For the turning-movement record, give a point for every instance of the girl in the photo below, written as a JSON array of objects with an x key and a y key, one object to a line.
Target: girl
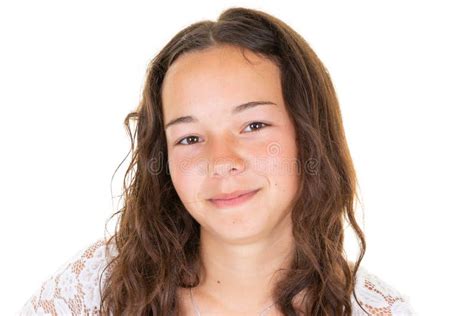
[{"x": 242, "y": 181}]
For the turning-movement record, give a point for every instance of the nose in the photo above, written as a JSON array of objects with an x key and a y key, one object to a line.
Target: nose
[{"x": 224, "y": 159}]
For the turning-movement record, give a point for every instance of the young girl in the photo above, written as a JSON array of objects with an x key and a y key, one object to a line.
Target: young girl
[{"x": 242, "y": 181}]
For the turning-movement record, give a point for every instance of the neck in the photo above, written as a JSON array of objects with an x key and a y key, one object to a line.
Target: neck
[{"x": 239, "y": 278}]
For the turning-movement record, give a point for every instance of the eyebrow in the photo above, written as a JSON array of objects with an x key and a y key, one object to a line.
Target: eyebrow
[{"x": 235, "y": 110}]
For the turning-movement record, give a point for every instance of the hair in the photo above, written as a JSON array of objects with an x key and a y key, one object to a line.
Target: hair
[{"x": 157, "y": 240}]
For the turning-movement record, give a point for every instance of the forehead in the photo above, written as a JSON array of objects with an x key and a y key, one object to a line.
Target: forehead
[{"x": 219, "y": 76}]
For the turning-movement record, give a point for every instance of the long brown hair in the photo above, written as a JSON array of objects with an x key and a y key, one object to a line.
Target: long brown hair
[{"x": 157, "y": 240}]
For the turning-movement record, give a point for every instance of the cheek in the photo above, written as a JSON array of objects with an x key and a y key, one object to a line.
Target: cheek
[
  {"x": 185, "y": 176},
  {"x": 282, "y": 168},
  {"x": 277, "y": 157}
]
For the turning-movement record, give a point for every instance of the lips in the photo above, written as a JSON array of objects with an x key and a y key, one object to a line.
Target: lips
[
  {"x": 234, "y": 199},
  {"x": 229, "y": 196}
]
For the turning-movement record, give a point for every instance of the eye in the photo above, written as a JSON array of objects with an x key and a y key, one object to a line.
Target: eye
[
  {"x": 258, "y": 124},
  {"x": 187, "y": 138},
  {"x": 194, "y": 138}
]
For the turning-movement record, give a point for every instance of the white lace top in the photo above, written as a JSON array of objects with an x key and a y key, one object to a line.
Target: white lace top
[{"x": 74, "y": 289}]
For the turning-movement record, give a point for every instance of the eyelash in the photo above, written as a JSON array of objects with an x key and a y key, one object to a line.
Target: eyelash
[{"x": 255, "y": 130}]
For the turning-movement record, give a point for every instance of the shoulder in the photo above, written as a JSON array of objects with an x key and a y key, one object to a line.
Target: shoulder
[
  {"x": 74, "y": 287},
  {"x": 378, "y": 297}
]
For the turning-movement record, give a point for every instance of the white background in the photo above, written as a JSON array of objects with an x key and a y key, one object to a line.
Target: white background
[{"x": 71, "y": 71}]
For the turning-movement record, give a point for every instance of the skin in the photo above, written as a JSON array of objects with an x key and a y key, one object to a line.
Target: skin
[{"x": 241, "y": 247}]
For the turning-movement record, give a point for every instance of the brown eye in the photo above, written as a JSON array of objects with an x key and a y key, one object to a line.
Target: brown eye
[
  {"x": 256, "y": 126},
  {"x": 192, "y": 138}
]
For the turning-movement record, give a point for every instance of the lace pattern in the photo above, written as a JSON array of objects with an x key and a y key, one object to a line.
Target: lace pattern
[
  {"x": 378, "y": 297},
  {"x": 74, "y": 289}
]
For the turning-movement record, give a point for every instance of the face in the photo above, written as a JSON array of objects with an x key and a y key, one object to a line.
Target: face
[{"x": 221, "y": 148}]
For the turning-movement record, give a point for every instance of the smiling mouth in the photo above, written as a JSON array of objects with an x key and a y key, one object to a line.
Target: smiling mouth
[{"x": 232, "y": 202}]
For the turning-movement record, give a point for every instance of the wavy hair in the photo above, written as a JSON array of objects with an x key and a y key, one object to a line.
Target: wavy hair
[{"x": 157, "y": 240}]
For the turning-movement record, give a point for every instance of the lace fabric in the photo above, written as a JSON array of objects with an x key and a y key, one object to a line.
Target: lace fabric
[
  {"x": 74, "y": 289},
  {"x": 378, "y": 297}
]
